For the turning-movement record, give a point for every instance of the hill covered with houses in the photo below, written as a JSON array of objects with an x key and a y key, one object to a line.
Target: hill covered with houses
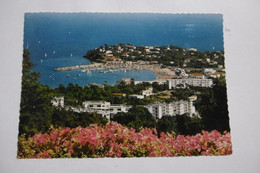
[{"x": 166, "y": 55}]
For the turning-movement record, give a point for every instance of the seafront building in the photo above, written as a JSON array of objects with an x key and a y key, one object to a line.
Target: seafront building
[
  {"x": 158, "y": 110},
  {"x": 182, "y": 83},
  {"x": 127, "y": 81}
]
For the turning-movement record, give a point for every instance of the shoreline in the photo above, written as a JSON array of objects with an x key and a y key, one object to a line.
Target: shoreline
[{"x": 114, "y": 66}]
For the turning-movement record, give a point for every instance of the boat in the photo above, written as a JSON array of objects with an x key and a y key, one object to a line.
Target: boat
[
  {"x": 68, "y": 75},
  {"x": 71, "y": 54},
  {"x": 45, "y": 55}
]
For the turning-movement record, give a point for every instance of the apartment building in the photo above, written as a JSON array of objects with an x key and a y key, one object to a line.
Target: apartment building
[
  {"x": 158, "y": 110},
  {"x": 104, "y": 108},
  {"x": 182, "y": 83}
]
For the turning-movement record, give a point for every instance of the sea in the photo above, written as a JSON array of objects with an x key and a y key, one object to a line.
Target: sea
[{"x": 61, "y": 39}]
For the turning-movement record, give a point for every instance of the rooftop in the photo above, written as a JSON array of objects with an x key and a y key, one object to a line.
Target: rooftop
[{"x": 197, "y": 74}]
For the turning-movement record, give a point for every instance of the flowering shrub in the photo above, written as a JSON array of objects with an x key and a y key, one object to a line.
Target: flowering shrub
[{"x": 115, "y": 140}]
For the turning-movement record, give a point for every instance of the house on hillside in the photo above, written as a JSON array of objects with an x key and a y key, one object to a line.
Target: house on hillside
[
  {"x": 148, "y": 91},
  {"x": 125, "y": 80},
  {"x": 197, "y": 76}
]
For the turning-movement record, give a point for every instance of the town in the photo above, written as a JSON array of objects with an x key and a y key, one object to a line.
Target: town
[{"x": 175, "y": 67}]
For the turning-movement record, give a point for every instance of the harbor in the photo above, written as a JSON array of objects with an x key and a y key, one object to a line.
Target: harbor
[{"x": 120, "y": 66}]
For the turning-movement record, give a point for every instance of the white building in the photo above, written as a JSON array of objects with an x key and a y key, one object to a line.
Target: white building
[
  {"x": 215, "y": 75},
  {"x": 127, "y": 81},
  {"x": 159, "y": 81},
  {"x": 182, "y": 83},
  {"x": 104, "y": 108},
  {"x": 158, "y": 110},
  {"x": 136, "y": 96},
  {"x": 58, "y": 101},
  {"x": 209, "y": 70},
  {"x": 192, "y": 49},
  {"x": 148, "y": 91}
]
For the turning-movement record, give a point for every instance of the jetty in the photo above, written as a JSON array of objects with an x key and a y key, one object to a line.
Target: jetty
[{"x": 83, "y": 67}]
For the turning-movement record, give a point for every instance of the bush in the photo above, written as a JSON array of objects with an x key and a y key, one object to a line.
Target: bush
[{"x": 115, "y": 140}]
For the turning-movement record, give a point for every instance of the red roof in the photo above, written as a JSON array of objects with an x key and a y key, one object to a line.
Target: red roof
[
  {"x": 119, "y": 94},
  {"x": 124, "y": 54},
  {"x": 113, "y": 58},
  {"x": 197, "y": 74}
]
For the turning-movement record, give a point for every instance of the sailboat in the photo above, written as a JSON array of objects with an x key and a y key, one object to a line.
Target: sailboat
[
  {"x": 45, "y": 54},
  {"x": 71, "y": 54},
  {"x": 89, "y": 71}
]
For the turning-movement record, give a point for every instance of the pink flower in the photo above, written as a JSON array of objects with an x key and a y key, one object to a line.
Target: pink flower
[
  {"x": 114, "y": 139},
  {"x": 82, "y": 140},
  {"x": 118, "y": 153}
]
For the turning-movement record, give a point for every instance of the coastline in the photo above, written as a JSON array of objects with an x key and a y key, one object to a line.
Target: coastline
[{"x": 161, "y": 73}]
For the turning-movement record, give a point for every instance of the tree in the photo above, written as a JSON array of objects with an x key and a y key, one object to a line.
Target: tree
[
  {"x": 167, "y": 124},
  {"x": 35, "y": 107},
  {"x": 213, "y": 107},
  {"x": 136, "y": 117}
]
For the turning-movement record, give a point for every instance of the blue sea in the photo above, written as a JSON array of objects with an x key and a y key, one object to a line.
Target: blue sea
[{"x": 61, "y": 39}]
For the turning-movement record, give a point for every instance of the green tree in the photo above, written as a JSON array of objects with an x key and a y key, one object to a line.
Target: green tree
[
  {"x": 35, "y": 108},
  {"x": 167, "y": 124},
  {"x": 136, "y": 117},
  {"x": 212, "y": 105}
]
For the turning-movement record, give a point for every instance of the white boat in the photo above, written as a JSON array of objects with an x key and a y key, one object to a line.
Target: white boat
[
  {"x": 71, "y": 54},
  {"x": 54, "y": 52},
  {"x": 45, "y": 54}
]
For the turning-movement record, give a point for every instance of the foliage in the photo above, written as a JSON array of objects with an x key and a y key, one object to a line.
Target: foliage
[
  {"x": 94, "y": 55},
  {"x": 37, "y": 114},
  {"x": 182, "y": 125},
  {"x": 212, "y": 105},
  {"x": 69, "y": 118},
  {"x": 136, "y": 117},
  {"x": 35, "y": 107},
  {"x": 115, "y": 140},
  {"x": 162, "y": 54}
]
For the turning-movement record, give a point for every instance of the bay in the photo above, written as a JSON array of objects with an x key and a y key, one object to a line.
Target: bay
[
  {"x": 61, "y": 39},
  {"x": 54, "y": 78}
]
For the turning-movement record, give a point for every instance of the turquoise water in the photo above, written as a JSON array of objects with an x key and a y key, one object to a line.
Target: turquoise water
[{"x": 59, "y": 35}]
